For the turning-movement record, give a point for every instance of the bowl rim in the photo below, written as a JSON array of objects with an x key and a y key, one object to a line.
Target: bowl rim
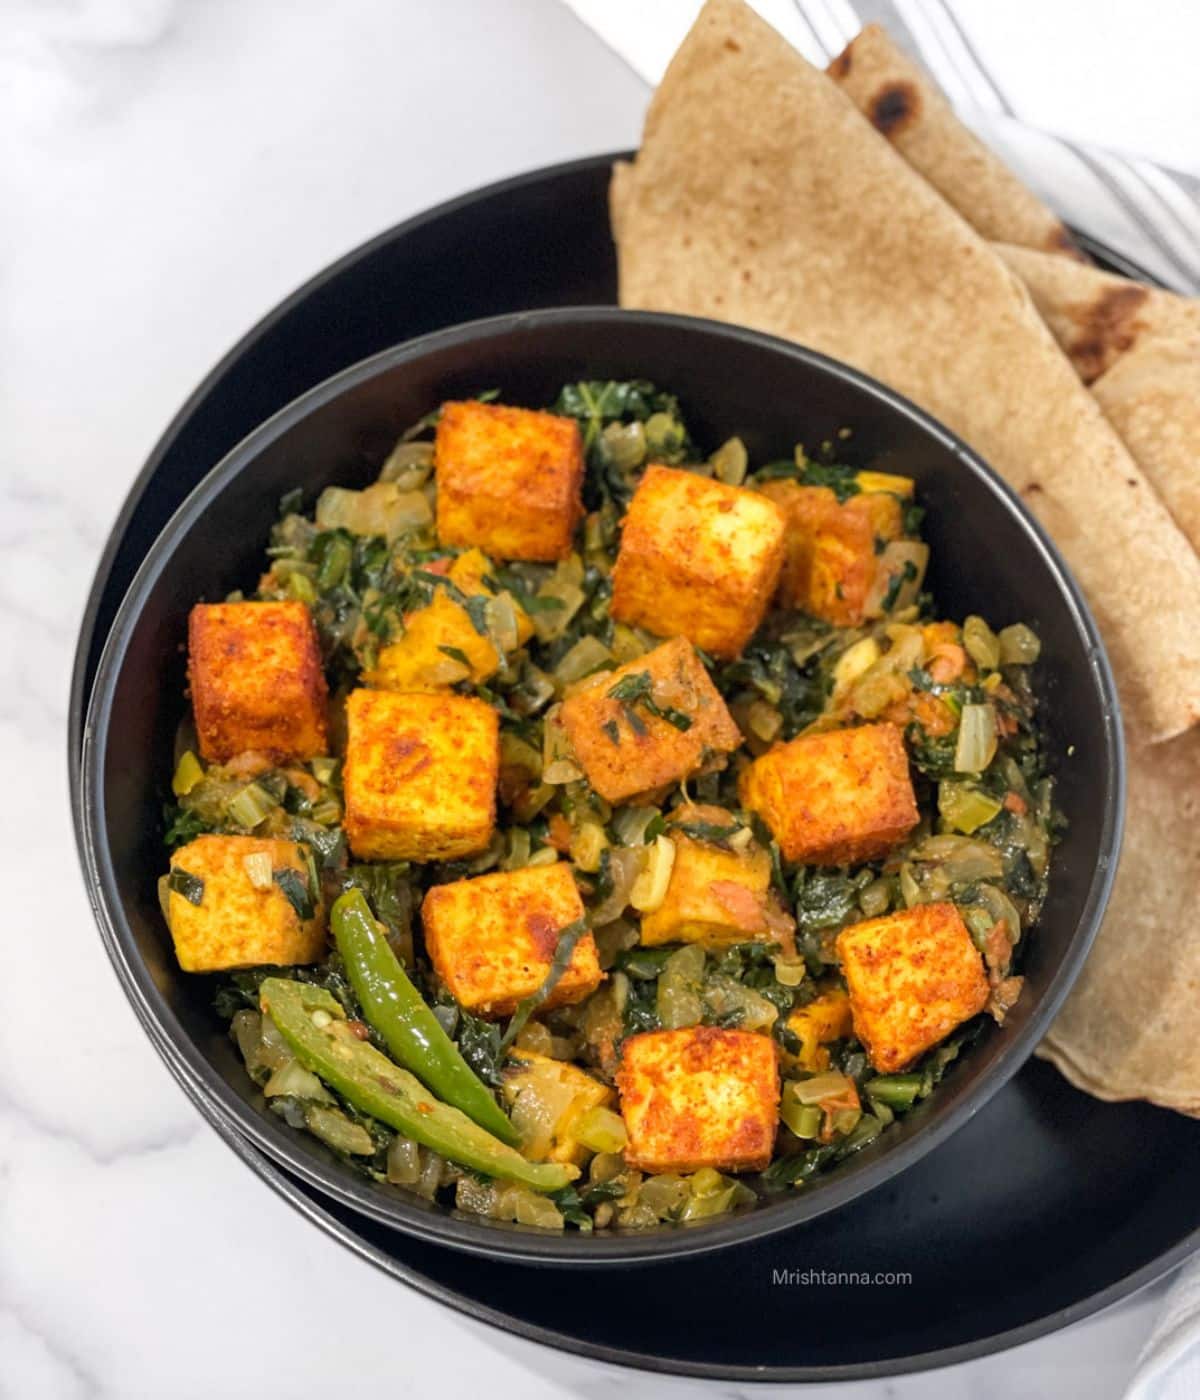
[{"x": 493, "y": 1239}]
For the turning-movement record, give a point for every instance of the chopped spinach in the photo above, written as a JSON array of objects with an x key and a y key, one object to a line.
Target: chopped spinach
[
  {"x": 182, "y": 825},
  {"x": 840, "y": 480},
  {"x": 826, "y": 899},
  {"x": 568, "y": 938},
  {"x": 897, "y": 582},
  {"x": 570, "y": 1207},
  {"x": 297, "y": 891},
  {"x": 712, "y": 832},
  {"x": 638, "y": 689},
  {"x": 614, "y": 465},
  {"x": 479, "y": 1042},
  {"x": 191, "y": 887}
]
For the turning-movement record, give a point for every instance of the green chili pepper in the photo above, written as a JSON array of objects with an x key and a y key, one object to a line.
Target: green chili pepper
[
  {"x": 409, "y": 1028},
  {"x": 314, "y": 1027}
]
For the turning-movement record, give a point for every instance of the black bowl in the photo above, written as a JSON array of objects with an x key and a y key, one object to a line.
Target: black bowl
[{"x": 988, "y": 556}]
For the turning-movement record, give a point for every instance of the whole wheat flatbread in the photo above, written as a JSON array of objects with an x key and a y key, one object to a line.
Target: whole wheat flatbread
[
  {"x": 1128, "y": 1029},
  {"x": 901, "y": 102},
  {"x": 1096, "y": 316},
  {"x": 761, "y": 196},
  {"x": 1151, "y": 396}
]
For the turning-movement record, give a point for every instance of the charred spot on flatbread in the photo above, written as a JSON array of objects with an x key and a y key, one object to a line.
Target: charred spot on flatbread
[
  {"x": 1108, "y": 328},
  {"x": 894, "y": 107}
]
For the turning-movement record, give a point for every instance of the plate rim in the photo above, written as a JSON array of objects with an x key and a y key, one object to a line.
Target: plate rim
[
  {"x": 297, "y": 1196},
  {"x": 1087, "y": 1305}
]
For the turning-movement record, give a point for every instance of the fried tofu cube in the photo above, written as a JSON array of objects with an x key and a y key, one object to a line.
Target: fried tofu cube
[
  {"x": 699, "y": 1097},
  {"x": 624, "y": 748},
  {"x": 233, "y": 912},
  {"x": 508, "y": 480},
  {"x": 553, "y": 1097},
  {"x": 716, "y": 897},
  {"x": 256, "y": 680},
  {"x": 824, "y": 1019},
  {"x": 833, "y": 548},
  {"x": 698, "y": 559},
  {"x": 913, "y": 976},
  {"x": 492, "y": 939},
  {"x": 419, "y": 775},
  {"x": 834, "y": 798},
  {"x": 469, "y": 573},
  {"x": 439, "y": 648}
]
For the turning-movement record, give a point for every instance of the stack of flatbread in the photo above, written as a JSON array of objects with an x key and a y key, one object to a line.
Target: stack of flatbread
[{"x": 851, "y": 211}]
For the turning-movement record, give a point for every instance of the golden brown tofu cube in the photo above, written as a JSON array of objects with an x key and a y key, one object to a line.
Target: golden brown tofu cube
[
  {"x": 626, "y": 750},
  {"x": 439, "y": 648},
  {"x": 716, "y": 897},
  {"x": 824, "y": 1019},
  {"x": 492, "y": 939},
  {"x": 698, "y": 559},
  {"x": 256, "y": 680},
  {"x": 913, "y": 977},
  {"x": 420, "y": 774},
  {"x": 557, "y": 1095},
  {"x": 834, "y": 798},
  {"x": 700, "y": 1097},
  {"x": 832, "y": 553},
  {"x": 237, "y": 914},
  {"x": 508, "y": 480}
]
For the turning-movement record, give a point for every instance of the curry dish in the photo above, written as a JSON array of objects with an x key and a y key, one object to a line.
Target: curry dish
[{"x": 595, "y": 830}]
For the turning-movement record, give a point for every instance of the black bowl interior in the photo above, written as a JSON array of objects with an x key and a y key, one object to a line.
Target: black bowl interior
[{"x": 987, "y": 557}]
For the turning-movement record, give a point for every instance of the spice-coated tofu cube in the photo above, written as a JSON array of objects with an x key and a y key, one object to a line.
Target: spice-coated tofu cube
[
  {"x": 700, "y": 1097},
  {"x": 698, "y": 559},
  {"x": 824, "y": 1019},
  {"x": 420, "y": 774},
  {"x": 256, "y": 680},
  {"x": 233, "y": 912},
  {"x": 715, "y": 897},
  {"x": 833, "y": 548},
  {"x": 440, "y": 647},
  {"x": 508, "y": 480},
  {"x": 492, "y": 939},
  {"x": 913, "y": 977},
  {"x": 470, "y": 572},
  {"x": 624, "y": 746},
  {"x": 834, "y": 798},
  {"x": 558, "y": 1091}
]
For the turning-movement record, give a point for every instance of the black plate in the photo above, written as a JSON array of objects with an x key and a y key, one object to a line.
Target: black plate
[
  {"x": 1028, "y": 1220},
  {"x": 729, "y": 380},
  {"x": 1046, "y": 1207}
]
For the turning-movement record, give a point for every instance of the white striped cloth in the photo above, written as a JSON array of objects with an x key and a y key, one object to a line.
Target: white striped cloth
[{"x": 1141, "y": 208}]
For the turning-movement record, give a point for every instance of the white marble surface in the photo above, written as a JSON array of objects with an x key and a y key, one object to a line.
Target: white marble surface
[{"x": 168, "y": 170}]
